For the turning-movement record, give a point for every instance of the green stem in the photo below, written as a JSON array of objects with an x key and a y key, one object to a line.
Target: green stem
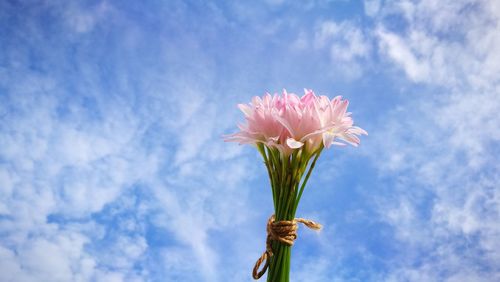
[
  {"x": 286, "y": 173},
  {"x": 306, "y": 179},
  {"x": 275, "y": 171},
  {"x": 279, "y": 269},
  {"x": 262, "y": 151}
]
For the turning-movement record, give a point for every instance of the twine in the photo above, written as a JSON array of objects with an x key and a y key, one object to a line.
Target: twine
[{"x": 284, "y": 231}]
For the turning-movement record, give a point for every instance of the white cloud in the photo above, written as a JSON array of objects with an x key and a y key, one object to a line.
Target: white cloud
[
  {"x": 86, "y": 168},
  {"x": 346, "y": 43},
  {"x": 345, "y": 40},
  {"x": 440, "y": 149},
  {"x": 396, "y": 48},
  {"x": 453, "y": 43},
  {"x": 57, "y": 169},
  {"x": 62, "y": 171},
  {"x": 371, "y": 7},
  {"x": 92, "y": 159},
  {"x": 56, "y": 258}
]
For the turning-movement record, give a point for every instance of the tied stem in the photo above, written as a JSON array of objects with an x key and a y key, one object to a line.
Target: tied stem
[
  {"x": 285, "y": 173},
  {"x": 281, "y": 236}
]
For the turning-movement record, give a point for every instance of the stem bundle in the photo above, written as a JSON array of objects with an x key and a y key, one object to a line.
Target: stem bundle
[{"x": 287, "y": 185}]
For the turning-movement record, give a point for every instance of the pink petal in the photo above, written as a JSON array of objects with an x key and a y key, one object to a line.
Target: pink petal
[
  {"x": 247, "y": 110},
  {"x": 328, "y": 139},
  {"x": 294, "y": 144}
]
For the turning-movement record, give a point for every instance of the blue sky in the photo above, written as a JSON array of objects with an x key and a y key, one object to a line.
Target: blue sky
[{"x": 112, "y": 166}]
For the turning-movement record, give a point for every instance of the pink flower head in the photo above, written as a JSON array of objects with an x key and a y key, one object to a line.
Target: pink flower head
[
  {"x": 336, "y": 122},
  {"x": 301, "y": 122},
  {"x": 262, "y": 125},
  {"x": 288, "y": 122}
]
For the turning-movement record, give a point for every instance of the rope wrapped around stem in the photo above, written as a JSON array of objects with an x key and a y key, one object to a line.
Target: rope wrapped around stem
[{"x": 284, "y": 231}]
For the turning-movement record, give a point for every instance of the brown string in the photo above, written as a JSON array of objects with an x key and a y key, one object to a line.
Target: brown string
[{"x": 284, "y": 231}]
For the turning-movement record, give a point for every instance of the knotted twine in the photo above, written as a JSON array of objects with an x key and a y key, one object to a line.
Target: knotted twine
[{"x": 284, "y": 231}]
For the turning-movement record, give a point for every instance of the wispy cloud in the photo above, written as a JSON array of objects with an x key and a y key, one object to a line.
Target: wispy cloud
[
  {"x": 446, "y": 207},
  {"x": 71, "y": 160},
  {"x": 112, "y": 166}
]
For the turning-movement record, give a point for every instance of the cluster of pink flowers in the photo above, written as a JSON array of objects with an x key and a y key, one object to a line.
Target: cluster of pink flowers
[{"x": 289, "y": 122}]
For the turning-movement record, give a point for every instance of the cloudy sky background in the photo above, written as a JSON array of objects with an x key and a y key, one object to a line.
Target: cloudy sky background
[{"x": 112, "y": 166}]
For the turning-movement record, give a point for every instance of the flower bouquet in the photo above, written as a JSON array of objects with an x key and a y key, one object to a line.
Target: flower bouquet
[{"x": 290, "y": 132}]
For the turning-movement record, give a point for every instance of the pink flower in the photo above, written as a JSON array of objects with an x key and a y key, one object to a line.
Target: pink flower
[
  {"x": 262, "y": 125},
  {"x": 288, "y": 122},
  {"x": 336, "y": 122},
  {"x": 301, "y": 121}
]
